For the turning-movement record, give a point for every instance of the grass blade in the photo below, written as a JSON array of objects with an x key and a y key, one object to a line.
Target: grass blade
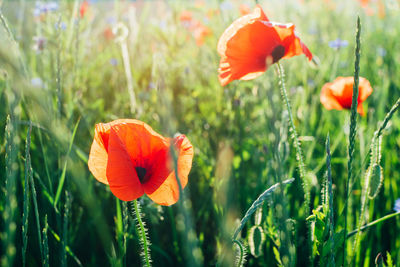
[
  {"x": 62, "y": 177},
  {"x": 330, "y": 202},
  {"x": 25, "y": 215},
  {"x": 68, "y": 249},
  {"x": 64, "y": 242},
  {"x": 45, "y": 244},
  {"x": 37, "y": 216},
  {"x": 384, "y": 218},
  {"x": 10, "y": 193}
]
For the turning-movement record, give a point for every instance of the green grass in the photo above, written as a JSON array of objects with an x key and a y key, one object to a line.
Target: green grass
[{"x": 54, "y": 209}]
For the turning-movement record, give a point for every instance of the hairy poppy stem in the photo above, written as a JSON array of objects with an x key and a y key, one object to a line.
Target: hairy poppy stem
[{"x": 142, "y": 235}]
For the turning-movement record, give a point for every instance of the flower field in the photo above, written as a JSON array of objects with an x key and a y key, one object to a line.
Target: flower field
[{"x": 199, "y": 133}]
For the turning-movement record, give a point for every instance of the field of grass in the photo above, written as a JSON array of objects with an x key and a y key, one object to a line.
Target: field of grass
[{"x": 65, "y": 67}]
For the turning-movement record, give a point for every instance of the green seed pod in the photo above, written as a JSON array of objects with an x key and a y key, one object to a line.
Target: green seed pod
[
  {"x": 376, "y": 177},
  {"x": 258, "y": 216},
  {"x": 256, "y": 238}
]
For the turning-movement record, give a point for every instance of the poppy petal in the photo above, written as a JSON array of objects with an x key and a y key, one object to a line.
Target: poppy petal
[
  {"x": 328, "y": 99},
  {"x": 360, "y": 109},
  {"x": 245, "y": 57},
  {"x": 365, "y": 89},
  {"x": 98, "y": 161},
  {"x": 98, "y": 152},
  {"x": 168, "y": 193},
  {"x": 291, "y": 42},
  {"x": 121, "y": 174},
  {"x": 230, "y": 32},
  {"x": 160, "y": 168},
  {"x": 148, "y": 151}
]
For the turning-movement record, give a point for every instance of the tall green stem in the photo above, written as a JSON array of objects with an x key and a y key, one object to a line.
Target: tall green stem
[
  {"x": 353, "y": 131},
  {"x": 362, "y": 228},
  {"x": 142, "y": 235},
  {"x": 299, "y": 152}
]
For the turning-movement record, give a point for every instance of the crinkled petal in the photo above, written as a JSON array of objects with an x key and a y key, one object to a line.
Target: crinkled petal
[
  {"x": 168, "y": 193},
  {"x": 121, "y": 175}
]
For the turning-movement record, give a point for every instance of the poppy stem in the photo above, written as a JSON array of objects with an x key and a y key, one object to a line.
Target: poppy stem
[{"x": 145, "y": 254}]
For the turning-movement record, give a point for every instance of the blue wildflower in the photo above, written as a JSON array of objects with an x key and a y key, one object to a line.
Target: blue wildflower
[
  {"x": 62, "y": 26},
  {"x": 381, "y": 51},
  {"x": 42, "y": 8},
  {"x": 338, "y": 43},
  {"x": 152, "y": 85},
  {"x": 114, "y": 61},
  {"x": 397, "y": 205},
  {"x": 37, "y": 82}
]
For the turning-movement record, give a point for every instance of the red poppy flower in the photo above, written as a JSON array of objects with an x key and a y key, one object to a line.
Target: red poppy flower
[
  {"x": 338, "y": 94},
  {"x": 200, "y": 32},
  {"x": 186, "y": 16},
  {"x": 135, "y": 160},
  {"x": 108, "y": 34},
  {"x": 83, "y": 9},
  {"x": 364, "y": 3},
  {"x": 252, "y": 43}
]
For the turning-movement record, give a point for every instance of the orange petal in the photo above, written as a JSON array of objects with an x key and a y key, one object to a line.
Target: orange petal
[
  {"x": 258, "y": 14},
  {"x": 98, "y": 153},
  {"x": 147, "y": 150},
  {"x": 360, "y": 109},
  {"x": 246, "y": 53},
  {"x": 328, "y": 99},
  {"x": 121, "y": 174},
  {"x": 98, "y": 161},
  {"x": 168, "y": 193},
  {"x": 365, "y": 89},
  {"x": 289, "y": 39}
]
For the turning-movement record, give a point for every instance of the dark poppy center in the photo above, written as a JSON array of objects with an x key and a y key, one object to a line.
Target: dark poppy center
[
  {"x": 141, "y": 173},
  {"x": 278, "y": 53}
]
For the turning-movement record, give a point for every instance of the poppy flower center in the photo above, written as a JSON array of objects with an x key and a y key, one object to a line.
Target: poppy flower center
[
  {"x": 141, "y": 173},
  {"x": 278, "y": 53}
]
